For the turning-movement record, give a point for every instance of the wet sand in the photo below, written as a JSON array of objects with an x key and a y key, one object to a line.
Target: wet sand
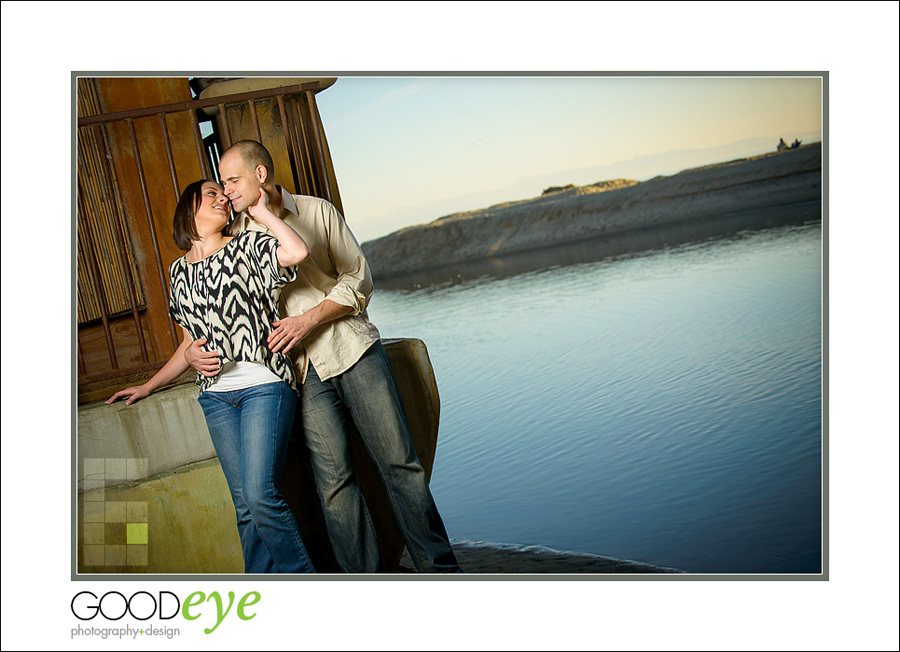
[{"x": 478, "y": 557}]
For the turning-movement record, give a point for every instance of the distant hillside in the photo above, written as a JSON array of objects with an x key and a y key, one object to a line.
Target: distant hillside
[{"x": 607, "y": 207}]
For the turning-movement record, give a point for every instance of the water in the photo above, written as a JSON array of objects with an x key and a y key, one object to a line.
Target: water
[{"x": 662, "y": 407}]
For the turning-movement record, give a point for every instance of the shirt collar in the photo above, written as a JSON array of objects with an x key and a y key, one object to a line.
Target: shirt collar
[
  {"x": 287, "y": 202},
  {"x": 287, "y": 206}
]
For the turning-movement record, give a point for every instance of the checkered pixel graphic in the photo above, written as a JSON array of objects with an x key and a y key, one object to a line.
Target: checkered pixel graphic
[{"x": 115, "y": 532}]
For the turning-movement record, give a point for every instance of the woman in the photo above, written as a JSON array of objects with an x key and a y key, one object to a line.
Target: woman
[{"x": 225, "y": 289}]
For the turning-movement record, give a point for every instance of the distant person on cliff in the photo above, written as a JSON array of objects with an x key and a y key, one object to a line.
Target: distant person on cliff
[
  {"x": 344, "y": 371},
  {"x": 225, "y": 289}
]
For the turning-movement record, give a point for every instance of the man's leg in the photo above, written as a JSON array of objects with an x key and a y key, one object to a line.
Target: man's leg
[
  {"x": 368, "y": 389},
  {"x": 223, "y": 419},
  {"x": 346, "y": 515}
]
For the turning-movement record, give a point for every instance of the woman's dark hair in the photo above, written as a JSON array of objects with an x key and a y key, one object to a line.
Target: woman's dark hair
[{"x": 183, "y": 228}]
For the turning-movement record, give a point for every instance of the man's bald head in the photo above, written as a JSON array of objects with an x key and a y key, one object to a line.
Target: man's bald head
[
  {"x": 246, "y": 168},
  {"x": 253, "y": 154}
]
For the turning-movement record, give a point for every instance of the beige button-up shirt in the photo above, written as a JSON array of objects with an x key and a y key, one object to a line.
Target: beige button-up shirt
[{"x": 337, "y": 270}]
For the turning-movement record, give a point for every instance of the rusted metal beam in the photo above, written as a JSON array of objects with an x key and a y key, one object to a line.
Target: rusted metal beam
[
  {"x": 153, "y": 366},
  {"x": 82, "y": 369},
  {"x": 226, "y": 130},
  {"x": 292, "y": 155},
  {"x": 318, "y": 148},
  {"x": 124, "y": 262},
  {"x": 153, "y": 236},
  {"x": 169, "y": 156},
  {"x": 86, "y": 238},
  {"x": 198, "y": 142},
  {"x": 255, "y": 120},
  {"x": 196, "y": 104}
]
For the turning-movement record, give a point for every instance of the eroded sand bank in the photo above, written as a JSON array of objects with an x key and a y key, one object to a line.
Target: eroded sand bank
[{"x": 695, "y": 198}]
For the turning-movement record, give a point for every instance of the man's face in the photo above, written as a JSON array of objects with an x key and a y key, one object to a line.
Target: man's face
[{"x": 241, "y": 182}]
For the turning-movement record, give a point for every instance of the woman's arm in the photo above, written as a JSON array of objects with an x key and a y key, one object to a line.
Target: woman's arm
[
  {"x": 292, "y": 249},
  {"x": 176, "y": 366}
]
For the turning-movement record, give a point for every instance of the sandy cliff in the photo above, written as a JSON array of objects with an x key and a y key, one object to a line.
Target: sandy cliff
[{"x": 605, "y": 208}]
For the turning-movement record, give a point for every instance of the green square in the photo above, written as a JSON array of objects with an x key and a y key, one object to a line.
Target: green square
[{"x": 137, "y": 533}]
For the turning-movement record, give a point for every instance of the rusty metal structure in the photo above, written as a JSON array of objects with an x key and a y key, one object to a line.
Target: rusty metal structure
[{"x": 139, "y": 143}]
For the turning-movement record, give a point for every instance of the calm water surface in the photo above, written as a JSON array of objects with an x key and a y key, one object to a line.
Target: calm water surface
[{"x": 663, "y": 407}]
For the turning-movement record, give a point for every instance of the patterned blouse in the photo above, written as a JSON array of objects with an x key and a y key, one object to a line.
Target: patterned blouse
[{"x": 231, "y": 299}]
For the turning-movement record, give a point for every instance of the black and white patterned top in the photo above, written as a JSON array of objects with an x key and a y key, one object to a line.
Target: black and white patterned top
[{"x": 231, "y": 299}]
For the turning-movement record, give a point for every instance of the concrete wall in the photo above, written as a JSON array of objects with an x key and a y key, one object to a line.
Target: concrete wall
[{"x": 152, "y": 497}]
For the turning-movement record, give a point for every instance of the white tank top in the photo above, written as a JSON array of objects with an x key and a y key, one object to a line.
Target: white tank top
[{"x": 241, "y": 375}]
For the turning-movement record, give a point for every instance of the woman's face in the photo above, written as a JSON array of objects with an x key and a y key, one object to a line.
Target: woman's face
[{"x": 214, "y": 211}]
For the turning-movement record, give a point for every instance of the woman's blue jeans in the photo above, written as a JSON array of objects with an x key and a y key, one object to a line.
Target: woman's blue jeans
[{"x": 250, "y": 429}]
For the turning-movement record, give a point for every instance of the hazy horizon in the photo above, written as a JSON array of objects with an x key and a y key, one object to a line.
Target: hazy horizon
[
  {"x": 637, "y": 169},
  {"x": 410, "y": 150}
]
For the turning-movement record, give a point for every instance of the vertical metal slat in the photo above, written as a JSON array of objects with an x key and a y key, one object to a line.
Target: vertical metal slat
[
  {"x": 292, "y": 158},
  {"x": 255, "y": 120},
  {"x": 88, "y": 243},
  {"x": 198, "y": 141},
  {"x": 318, "y": 148},
  {"x": 225, "y": 128},
  {"x": 155, "y": 238},
  {"x": 124, "y": 262},
  {"x": 163, "y": 125}
]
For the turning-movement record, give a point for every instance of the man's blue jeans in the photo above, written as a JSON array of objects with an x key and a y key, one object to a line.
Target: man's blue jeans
[
  {"x": 250, "y": 429},
  {"x": 368, "y": 391}
]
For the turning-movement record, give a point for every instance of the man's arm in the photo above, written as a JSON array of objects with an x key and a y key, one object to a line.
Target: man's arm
[
  {"x": 349, "y": 296},
  {"x": 205, "y": 363},
  {"x": 291, "y": 330},
  {"x": 353, "y": 286},
  {"x": 292, "y": 250},
  {"x": 175, "y": 366}
]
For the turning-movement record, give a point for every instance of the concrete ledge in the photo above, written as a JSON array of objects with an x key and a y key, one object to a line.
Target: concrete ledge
[
  {"x": 167, "y": 429},
  {"x": 158, "y": 452}
]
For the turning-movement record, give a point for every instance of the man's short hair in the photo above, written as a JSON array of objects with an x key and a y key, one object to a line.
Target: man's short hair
[{"x": 254, "y": 154}]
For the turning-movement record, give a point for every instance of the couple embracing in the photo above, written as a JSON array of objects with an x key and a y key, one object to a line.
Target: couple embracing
[{"x": 322, "y": 361}]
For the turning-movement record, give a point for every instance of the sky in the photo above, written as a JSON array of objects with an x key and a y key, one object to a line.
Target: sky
[{"x": 408, "y": 150}]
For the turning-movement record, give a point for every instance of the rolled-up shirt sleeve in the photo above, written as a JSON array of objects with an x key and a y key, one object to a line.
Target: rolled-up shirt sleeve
[{"x": 354, "y": 285}]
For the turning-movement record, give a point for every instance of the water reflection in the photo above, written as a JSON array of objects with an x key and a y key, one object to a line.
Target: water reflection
[{"x": 664, "y": 407}]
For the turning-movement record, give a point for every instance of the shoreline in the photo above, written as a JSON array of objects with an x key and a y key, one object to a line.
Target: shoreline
[
  {"x": 611, "y": 246},
  {"x": 480, "y": 557},
  {"x": 693, "y": 204}
]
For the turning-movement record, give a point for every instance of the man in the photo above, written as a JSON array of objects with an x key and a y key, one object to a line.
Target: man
[{"x": 343, "y": 368}]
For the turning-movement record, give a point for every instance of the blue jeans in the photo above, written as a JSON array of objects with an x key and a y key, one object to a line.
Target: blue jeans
[
  {"x": 368, "y": 391},
  {"x": 250, "y": 429}
]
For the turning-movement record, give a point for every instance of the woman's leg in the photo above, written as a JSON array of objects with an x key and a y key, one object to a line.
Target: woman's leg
[
  {"x": 223, "y": 419},
  {"x": 267, "y": 416}
]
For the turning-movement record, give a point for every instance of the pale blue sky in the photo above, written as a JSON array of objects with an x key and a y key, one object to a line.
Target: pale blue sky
[{"x": 409, "y": 150}]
